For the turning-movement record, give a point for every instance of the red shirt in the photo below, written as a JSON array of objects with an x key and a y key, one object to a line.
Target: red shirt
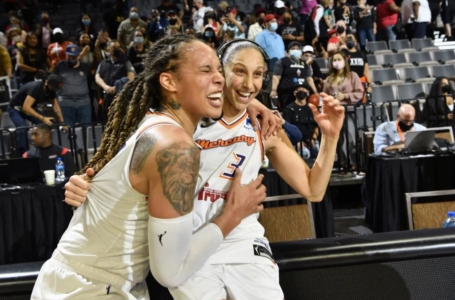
[{"x": 385, "y": 17}]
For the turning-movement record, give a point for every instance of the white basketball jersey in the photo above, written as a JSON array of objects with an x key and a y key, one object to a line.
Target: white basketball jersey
[{"x": 225, "y": 147}]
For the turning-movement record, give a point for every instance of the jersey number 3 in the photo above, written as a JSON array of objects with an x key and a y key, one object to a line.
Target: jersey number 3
[{"x": 239, "y": 160}]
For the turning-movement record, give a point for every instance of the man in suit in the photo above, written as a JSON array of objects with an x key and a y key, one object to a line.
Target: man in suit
[{"x": 390, "y": 135}]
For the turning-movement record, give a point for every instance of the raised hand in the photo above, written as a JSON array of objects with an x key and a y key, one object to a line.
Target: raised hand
[{"x": 331, "y": 118}]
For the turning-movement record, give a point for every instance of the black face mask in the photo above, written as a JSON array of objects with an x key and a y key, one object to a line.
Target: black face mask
[
  {"x": 117, "y": 53},
  {"x": 58, "y": 38},
  {"x": 261, "y": 21},
  {"x": 405, "y": 127},
  {"x": 350, "y": 44},
  {"x": 173, "y": 21},
  {"x": 301, "y": 95},
  {"x": 446, "y": 89},
  {"x": 71, "y": 63},
  {"x": 287, "y": 21},
  {"x": 49, "y": 93},
  {"x": 340, "y": 30}
]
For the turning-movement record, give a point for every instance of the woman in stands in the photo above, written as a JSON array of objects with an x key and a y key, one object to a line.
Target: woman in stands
[
  {"x": 439, "y": 107},
  {"x": 31, "y": 60},
  {"x": 141, "y": 200},
  {"x": 243, "y": 266},
  {"x": 345, "y": 86}
]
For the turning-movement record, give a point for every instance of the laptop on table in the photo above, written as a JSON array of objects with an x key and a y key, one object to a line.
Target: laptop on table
[
  {"x": 20, "y": 171},
  {"x": 418, "y": 141}
]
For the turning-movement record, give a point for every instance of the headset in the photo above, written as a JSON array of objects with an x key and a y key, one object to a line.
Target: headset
[{"x": 222, "y": 49}]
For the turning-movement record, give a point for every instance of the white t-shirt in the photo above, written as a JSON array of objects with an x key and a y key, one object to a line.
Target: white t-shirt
[
  {"x": 198, "y": 18},
  {"x": 407, "y": 12}
]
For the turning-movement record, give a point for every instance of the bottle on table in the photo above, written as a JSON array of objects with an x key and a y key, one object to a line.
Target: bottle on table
[
  {"x": 450, "y": 221},
  {"x": 59, "y": 170}
]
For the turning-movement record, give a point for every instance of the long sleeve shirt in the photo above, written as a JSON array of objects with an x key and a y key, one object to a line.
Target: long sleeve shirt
[{"x": 351, "y": 86}]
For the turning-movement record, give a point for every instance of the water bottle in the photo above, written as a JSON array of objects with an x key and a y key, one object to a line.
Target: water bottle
[
  {"x": 450, "y": 221},
  {"x": 59, "y": 170}
]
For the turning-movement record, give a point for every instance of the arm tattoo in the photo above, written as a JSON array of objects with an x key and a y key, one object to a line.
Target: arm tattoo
[
  {"x": 178, "y": 166},
  {"x": 142, "y": 150}
]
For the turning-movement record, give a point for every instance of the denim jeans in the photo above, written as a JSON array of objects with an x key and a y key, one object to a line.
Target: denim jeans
[
  {"x": 306, "y": 153},
  {"x": 76, "y": 114},
  {"x": 387, "y": 34},
  {"x": 416, "y": 30},
  {"x": 365, "y": 34},
  {"x": 19, "y": 119}
]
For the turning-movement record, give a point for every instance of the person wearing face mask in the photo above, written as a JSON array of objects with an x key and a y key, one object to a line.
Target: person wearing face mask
[
  {"x": 31, "y": 60},
  {"x": 286, "y": 72},
  {"x": 299, "y": 114},
  {"x": 56, "y": 51},
  {"x": 127, "y": 28},
  {"x": 175, "y": 23},
  {"x": 14, "y": 35},
  {"x": 74, "y": 96},
  {"x": 438, "y": 109},
  {"x": 44, "y": 31},
  {"x": 209, "y": 38},
  {"x": 210, "y": 21},
  {"x": 87, "y": 26},
  {"x": 358, "y": 62},
  {"x": 111, "y": 70},
  {"x": 270, "y": 41},
  {"x": 199, "y": 12},
  {"x": 233, "y": 23},
  {"x": 257, "y": 27},
  {"x": 24, "y": 105},
  {"x": 138, "y": 51},
  {"x": 290, "y": 30},
  {"x": 391, "y": 135}
]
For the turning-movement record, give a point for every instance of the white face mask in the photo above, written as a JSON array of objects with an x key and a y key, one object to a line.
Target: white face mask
[{"x": 16, "y": 39}]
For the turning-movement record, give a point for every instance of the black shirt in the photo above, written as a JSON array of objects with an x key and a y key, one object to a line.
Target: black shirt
[
  {"x": 48, "y": 158},
  {"x": 366, "y": 22},
  {"x": 339, "y": 14},
  {"x": 357, "y": 61},
  {"x": 37, "y": 60},
  {"x": 112, "y": 19},
  {"x": 295, "y": 29},
  {"x": 302, "y": 117},
  {"x": 291, "y": 72},
  {"x": 33, "y": 89},
  {"x": 136, "y": 57}
]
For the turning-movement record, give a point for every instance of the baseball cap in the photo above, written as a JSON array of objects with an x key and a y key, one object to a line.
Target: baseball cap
[
  {"x": 292, "y": 44},
  {"x": 57, "y": 30},
  {"x": 72, "y": 50},
  {"x": 279, "y": 4},
  {"x": 269, "y": 17},
  {"x": 301, "y": 83},
  {"x": 307, "y": 49},
  {"x": 55, "y": 81}
]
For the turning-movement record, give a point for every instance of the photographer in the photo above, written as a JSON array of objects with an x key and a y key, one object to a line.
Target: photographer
[{"x": 233, "y": 23}]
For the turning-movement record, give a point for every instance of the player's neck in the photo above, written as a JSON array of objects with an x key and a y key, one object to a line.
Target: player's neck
[
  {"x": 231, "y": 113},
  {"x": 185, "y": 120}
]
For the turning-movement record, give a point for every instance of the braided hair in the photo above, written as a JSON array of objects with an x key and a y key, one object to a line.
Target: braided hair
[{"x": 132, "y": 103}]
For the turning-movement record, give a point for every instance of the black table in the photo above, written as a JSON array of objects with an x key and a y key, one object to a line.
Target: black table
[
  {"x": 389, "y": 178},
  {"x": 322, "y": 211},
  {"x": 32, "y": 220}
]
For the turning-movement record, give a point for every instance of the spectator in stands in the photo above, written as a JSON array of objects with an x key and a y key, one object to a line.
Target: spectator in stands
[
  {"x": 438, "y": 108},
  {"x": 308, "y": 59},
  {"x": 415, "y": 15},
  {"x": 127, "y": 28},
  {"x": 292, "y": 132},
  {"x": 343, "y": 12},
  {"x": 56, "y": 51},
  {"x": 307, "y": 7},
  {"x": 87, "y": 55},
  {"x": 154, "y": 29},
  {"x": 358, "y": 62},
  {"x": 6, "y": 66},
  {"x": 138, "y": 51},
  {"x": 299, "y": 114},
  {"x": 74, "y": 96},
  {"x": 270, "y": 41},
  {"x": 290, "y": 30},
  {"x": 14, "y": 35},
  {"x": 175, "y": 23},
  {"x": 111, "y": 70},
  {"x": 101, "y": 43},
  {"x": 167, "y": 6},
  {"x": 366, "y": 23},
  {"x": 31, "y": 60},
  {"x": 47, "y": 152},
  {"x": 199, "y": 12},
  {"x": 228, "y": 36},
  {"x": 87, "y": 27},
  {"x": 447, "y": 15},
  {"x": 24, "y": 105},
  {"x": 435, "y": 9},
  {"x": 223, "y": 6},
  {"x": 210, "y": 20},
  {"x": 258, "y": 26},
  {"x": 209, "y": 38},
  {"x": 390, "y": 135},
  {"x": 233, "y": 23},
  {"x": 345, "y": 86},
  {"x": 386, "y": 18},
  {"x": 114, "y": 17},
  {"x": 286, "y": 72},
  {"x": 279, "y": 9},
  {"x": 44, "y": 32},
  {"x": 15, "y": 20},
  {"x": 319, "y": 23}
]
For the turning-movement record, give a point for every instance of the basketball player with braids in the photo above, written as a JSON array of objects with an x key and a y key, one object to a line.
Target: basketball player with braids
[
  {"x": 243, "y": 266},
  {"x": 139, "y": 212}
]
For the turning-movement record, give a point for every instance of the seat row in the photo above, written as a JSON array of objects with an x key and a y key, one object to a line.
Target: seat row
[
  {"x": 425, "y": 44},
  {"x": 411, "y": 74}
]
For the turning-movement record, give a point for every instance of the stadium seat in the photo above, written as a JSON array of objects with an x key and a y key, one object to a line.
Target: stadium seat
[
  {"x": 64, "y": 138},
  {"x": 421, "y": 59},
  {"x": 6, "y": 121},
  {"x": 370, "y": 116},
  {"x": 410, "y": 91},
  {"x": 385, "y": 77},
  {"x": 5, "y": 144},
  {"x": 322, "y": 63},
  {"x": 417, "y": 74},
  {"x": 444, "y": 71},
  {"x": 397, "y": 60},
  {"x": 383, "y": 94},
  {"x": 423, "y": 44},
  {"x": 94, "y": 135},
  {"x": 444, "y": 56},
  {"x": 428, "y": 87},
  {"x": 373, "y": 62},
  {"x": 377, "y": 47},
  {"x": 401, "y": 46}
]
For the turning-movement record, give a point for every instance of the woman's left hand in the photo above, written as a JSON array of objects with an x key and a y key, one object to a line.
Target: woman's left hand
[
  {"x": 270, "y": 123},
  {"x": 331, "y": 117}
]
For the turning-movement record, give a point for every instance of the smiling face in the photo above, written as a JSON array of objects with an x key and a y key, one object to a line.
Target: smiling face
[{"x": 243, "y": 74}]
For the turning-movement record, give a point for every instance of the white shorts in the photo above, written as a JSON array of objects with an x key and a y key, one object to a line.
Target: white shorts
[
  {"x": 232, "y": 282},
  {"x": 55, "y": 281}
]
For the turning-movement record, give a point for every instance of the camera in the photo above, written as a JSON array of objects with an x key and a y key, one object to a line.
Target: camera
[{"x": 228, "y": 11}]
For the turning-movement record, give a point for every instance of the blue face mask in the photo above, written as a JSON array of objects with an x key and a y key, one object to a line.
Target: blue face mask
[
  {"x": 138, "y": 40},
  {"x": 86, "y": 22},
  {"x": 208, "y": 33},
  {"x": 134, "y": 15},
  {"x": 273, "y": 26},
  {"x": 295, "y": 53}
]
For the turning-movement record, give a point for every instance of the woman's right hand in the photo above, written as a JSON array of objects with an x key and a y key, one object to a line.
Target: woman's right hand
[
  {"x": 273, "y": 94},
  {"x": 77, "y": 187},
  {"x": 48, "y": 121}
]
